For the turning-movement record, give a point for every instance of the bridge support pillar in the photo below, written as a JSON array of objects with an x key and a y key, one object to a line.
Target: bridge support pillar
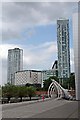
[{"x": 76, "y": 37}]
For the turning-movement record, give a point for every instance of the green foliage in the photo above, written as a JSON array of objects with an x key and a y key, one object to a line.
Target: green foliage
[
  {"x": 17, "y": 91},
  {"x": 0, "y": 92},
  {"x": 21, "y": 92},
  {"x": 48, "y": 82},
  {"x": 39, "y": 89},
  {"x": 31, "y": 91},
  {"x": 28, "y": 85},
  {"x": 9, "y": 91},
  {"x": 69, "y": 82},
  {"x": 55, "y": 78},
  {"x": 72, "y": 81},
  {"x": 65, "y": 83}
]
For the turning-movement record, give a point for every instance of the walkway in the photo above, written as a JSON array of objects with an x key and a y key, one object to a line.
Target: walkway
[{"x": 52, "y": 108}]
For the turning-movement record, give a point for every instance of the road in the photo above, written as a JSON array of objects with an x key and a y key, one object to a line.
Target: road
[{"x": 52, "y": 108}]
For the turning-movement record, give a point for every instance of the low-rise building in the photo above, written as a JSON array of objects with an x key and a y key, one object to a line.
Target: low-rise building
[
  {"x": 47, "y": 74},
  {"x": 28, "y": 76},
  {"x": 33, "y": 76}
]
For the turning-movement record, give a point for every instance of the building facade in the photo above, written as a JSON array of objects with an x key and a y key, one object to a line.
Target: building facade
[
  {"x": 33, "y": 76},
  {"x": 47, "y": 74},
  {"x": 63, "y": 48},
  {"x": 15, "y": 63},
  {"x": 28, "y": 76}
]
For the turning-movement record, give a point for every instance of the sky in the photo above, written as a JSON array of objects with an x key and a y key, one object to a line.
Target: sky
[{"x": 32, "y": 26}]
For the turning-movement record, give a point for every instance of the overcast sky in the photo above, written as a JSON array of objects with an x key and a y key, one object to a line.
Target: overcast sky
[{"x": 32, "y": 27}]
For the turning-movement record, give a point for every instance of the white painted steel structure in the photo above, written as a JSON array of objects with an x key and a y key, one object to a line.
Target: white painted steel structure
[{"x": 61, "y": 92}]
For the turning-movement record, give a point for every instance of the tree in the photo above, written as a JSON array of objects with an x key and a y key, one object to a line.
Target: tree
[
  {"x": 46, "y": 84},
  {"x": 28, "y": 85},
  {"x": 72, "y": 81},
  {"x": 31, "y": 91},
  {"x": 9, "y": 91},
  {"x": 55, "y": 78},
  {"x": 22, "y": 92},
  {"x": 69, "y": 82},
  {"x": 65, "y": 83},
  {"x": 0, "y": 91}
]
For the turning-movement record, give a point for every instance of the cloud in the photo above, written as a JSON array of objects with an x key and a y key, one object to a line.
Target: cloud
[
  {"x": 17, "y": 16},
  {"x": 45, "y": 51},
  {"x": 40, "y": 1},
  {"x": 19, "y": 20},
  {"x": 40, "y": 57},
  {"x": 4, "y": 50}
]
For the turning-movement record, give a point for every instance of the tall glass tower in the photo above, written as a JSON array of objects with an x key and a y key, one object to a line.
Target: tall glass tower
[
  {"x": 63, "y": 48},
  {"x": 15, "y": 63}
]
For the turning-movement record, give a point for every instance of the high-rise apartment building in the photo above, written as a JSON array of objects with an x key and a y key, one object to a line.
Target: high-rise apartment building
[
  {"x": 15, "y": 63},
  {"x": 63, "y": 48}
]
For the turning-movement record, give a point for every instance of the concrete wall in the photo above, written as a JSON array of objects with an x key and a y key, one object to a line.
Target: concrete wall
[{"x": 76, "y": 38}]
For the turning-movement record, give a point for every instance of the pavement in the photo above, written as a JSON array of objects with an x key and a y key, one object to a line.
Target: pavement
[{"x": 49, "y": 108}]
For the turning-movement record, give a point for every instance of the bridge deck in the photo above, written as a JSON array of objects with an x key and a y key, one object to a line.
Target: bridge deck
[{"x": 52, "y": 108}]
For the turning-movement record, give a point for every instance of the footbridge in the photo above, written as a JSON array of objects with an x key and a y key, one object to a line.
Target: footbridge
[{"x": 55, "y": 87}]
